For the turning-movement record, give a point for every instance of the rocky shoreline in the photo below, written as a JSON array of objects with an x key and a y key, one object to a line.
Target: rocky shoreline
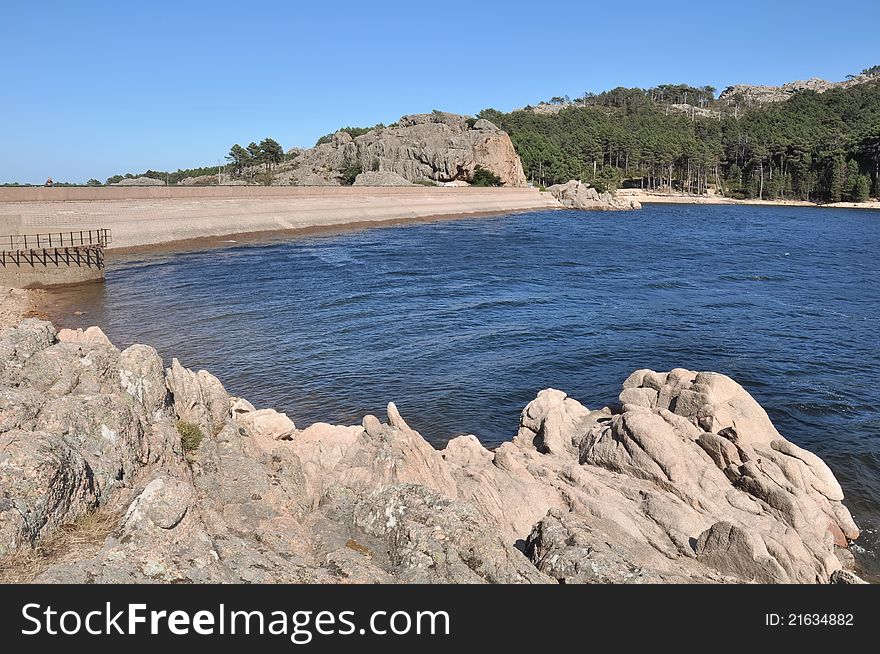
[
  {"x": 575, "y": 194},
  {"x": 16, "y": 304},
  {"x": 114, "y": 468}
]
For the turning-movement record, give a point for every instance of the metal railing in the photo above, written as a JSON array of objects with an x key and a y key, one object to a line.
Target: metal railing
[
  {"x": 85, "y": 238},
  {"x": 89, "y": 256}
]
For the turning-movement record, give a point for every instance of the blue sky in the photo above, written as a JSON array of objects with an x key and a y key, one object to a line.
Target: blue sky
[{"x": 96, "y": 88}]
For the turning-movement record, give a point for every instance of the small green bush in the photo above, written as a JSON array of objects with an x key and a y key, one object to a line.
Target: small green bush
[
  {"x": 426, "y": 182},
  {"x": 608, "y": 178},
  {"x": 350, "y": 170},
  {"x": 190, "y": 436},
  {"x": 483, "y": 177}
]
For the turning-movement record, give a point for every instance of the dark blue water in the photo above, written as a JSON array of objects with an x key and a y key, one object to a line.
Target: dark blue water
[{"x": 461, "y": 323}]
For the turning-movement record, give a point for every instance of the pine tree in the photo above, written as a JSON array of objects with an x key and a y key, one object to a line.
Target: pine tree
[
  {"x": 861, "y": 189},
  {"x": 238, "y": 157},
  {"x": 838, "y": 179}
]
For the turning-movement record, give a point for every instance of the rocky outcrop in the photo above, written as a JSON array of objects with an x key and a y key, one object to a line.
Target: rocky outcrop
[
  {"x": 693, "y": 111},
  {"x": 380, "y": 178},
  {"x": 755, "y": 94},
  {"x": 439, "y": 146},
  {"x": 580, "y": 195},
  {"x": 686, "y": 480},
  {"x": 266, "y": 423},
  {"x": 89, "y": 335},
  {"x": 199, "y": 398}
]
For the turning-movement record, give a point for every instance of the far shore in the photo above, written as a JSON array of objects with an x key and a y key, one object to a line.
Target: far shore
[{"x": 647, "y": 197}]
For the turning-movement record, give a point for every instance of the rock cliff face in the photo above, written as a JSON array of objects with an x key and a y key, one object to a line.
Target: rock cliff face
[
  {"x": 440, "y": 146},
  {"x": 579, "y": 195},
  {"x": 376, "y": 178},
  {"x": 687, "y": 480}
]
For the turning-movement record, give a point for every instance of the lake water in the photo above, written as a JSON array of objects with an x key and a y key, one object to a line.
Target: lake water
[{"x": 461, "y": 323}]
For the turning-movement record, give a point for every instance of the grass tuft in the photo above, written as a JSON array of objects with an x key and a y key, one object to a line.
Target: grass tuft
[
  {"x": 190, "y": 436},
  {"x": 90, "y": 530}
]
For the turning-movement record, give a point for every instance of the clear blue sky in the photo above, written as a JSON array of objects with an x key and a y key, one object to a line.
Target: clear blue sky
[{"x": 96, "y": 88}]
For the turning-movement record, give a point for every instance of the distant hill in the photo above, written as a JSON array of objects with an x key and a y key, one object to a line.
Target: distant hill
[
  {"x": 804, "y": 140},
  {"x": 701, "y": 100}
]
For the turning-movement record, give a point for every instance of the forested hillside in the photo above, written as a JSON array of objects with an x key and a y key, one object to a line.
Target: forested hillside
[{"x": 823, "y": 147}]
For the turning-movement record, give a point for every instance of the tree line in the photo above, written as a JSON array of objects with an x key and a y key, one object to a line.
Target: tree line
[
  {"x": 819, "y": 147},
  {"x": 633, "y": 99},
  {"x": 267, "y": 154},
  {"x": 167, "y": 176}
]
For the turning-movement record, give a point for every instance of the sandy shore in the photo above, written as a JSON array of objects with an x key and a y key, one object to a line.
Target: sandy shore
[
  {"x": 148, "y": 218},
  {"x": 680, "y": 198},
  {"x": 16, "y": 304}
]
